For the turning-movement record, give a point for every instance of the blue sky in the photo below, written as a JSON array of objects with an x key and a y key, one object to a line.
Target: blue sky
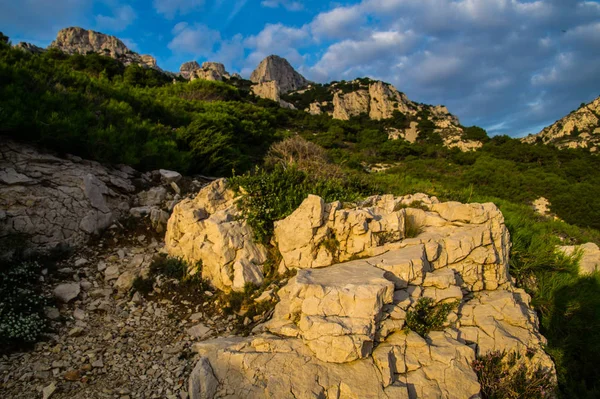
[{"x": 510, "y": 66}]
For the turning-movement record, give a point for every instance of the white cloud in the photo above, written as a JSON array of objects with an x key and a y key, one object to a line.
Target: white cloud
[
  {"x": 170, "y": 8},
  {"x": 277, "y": 39},
  {"x": 122, "y": 17},
  {"x": 358, "y": 56},
  {"x": 339, "y": 23},
  {"x": 290, "y": 5},
  {"x": 197, "y": 40}
]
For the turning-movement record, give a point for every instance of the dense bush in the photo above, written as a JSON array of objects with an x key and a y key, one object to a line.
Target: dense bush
[
  {"x": 270, "y": 196},
  {"x": 94, "y": 107}
]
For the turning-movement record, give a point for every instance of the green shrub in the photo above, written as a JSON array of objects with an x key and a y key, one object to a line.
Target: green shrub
[
  {"x": 22, "y": 319},
  {"x": 503, "y": 376},
  {"x": 170, "y": 267},
  {"x": 426, "y": 316},
  {"x": 270, "y": 196}
]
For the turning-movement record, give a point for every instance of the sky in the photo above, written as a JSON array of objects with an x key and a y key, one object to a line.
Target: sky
[{"x": 509, "y": 66}]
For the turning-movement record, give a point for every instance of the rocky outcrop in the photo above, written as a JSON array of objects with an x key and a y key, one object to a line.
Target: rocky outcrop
[
  {"x": 278, "y": 70},
  {"x": 55, "y": 201},
  {"x": 339, "y": 329},
  {"x": 579, "y": 129},
  {"x": 382, "y": 101},
  {"x": 542, "y": 206},
  {"x": 385, "y": 99},
  {"x": 208, "y": 231},
  {"x": 208, "y": 71},
  {"x": 351, "y": 104},
  {"x": 270, "y": 91},
  {"x": 588, "y": 253},
  {"x": 29, "y": 48},
  {"x": 76, "y": 40}
]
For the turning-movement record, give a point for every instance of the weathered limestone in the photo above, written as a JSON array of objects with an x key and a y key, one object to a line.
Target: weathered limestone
[
  {"x": 590, "y": 256},
  {"x": 208, "y": 71},
  {"x": 316, "y": 233},
  {"x": 503, "y": 320},
  {"x": 81, "y": 41},
  {"x": 579, "y": 129},
  {"x": 55, "y": 201},
  {"x": 278, "y": 70},
  {"x": 334, "y": 310},
  {"x": 270, "y": 90},
  {"x": 542, "y": 206},
  {"x": 337, "y": 330},
  {"x": 208, "y": 229},
  {"x": 267, "y": 366}
]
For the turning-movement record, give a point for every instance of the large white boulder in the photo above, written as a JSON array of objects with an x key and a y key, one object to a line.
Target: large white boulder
[{"x": 208, "y": 232}]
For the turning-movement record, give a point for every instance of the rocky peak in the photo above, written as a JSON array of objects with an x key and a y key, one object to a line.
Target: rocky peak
[
  {"x": 579, "y": 129},
  {"x": 75, "y": 40},
  {"x": 208, "y": 71},
  {"x": 28, "y": 47},
  {"x": 279, "y": 70}
]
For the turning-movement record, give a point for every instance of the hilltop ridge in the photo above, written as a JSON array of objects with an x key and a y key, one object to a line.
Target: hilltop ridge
[{"x": 579, "y": 129}]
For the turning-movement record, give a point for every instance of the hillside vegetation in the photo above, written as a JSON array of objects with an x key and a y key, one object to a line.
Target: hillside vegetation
[{"x": 94, "y": 107}]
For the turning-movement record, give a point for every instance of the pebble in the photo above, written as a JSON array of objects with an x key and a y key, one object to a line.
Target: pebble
[
  {"x": 80, "y": 262},
  {"x": 72, "y": 375},
  {"x": 79, "y": 314},
  {"x": 101, "y": 266},
  {"x": 52, "y": 313},
  {"x": 76, "y": 332},
  {"x": 48, "y": 391}
]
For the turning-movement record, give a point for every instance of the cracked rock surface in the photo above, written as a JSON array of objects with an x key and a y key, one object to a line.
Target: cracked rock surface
[
  {"x": 339, "y": 329},
  {"x": 57, "y": 201}
]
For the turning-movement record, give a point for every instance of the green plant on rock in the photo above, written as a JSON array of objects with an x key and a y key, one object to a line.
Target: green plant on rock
[
  {"x": 503, "y": 375},
  {"x": 426, "y": 316},
  {"x": 411, "y": 227},
  {"x": 22, "y": 319}
]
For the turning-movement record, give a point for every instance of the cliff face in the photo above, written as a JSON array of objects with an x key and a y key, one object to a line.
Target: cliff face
[
  {"x": 76, "y": 40},
  {"x": 579, "y": 129},
  {"x": 279, "y": 70}
]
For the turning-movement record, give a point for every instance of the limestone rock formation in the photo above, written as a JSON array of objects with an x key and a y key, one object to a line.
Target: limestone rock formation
[
  {"x": 278, "y": 70},
  {"x": 56, "y": 201},
  {"x": 187, "y": 68},
  {"x": 76, "y": 40},
  {"x": 589, "y": 253},
  {"x": 270, "y": 91},
  {"x": 208, "y": 71},
  {"x": 382, "y": 101},
  {"x": 338, "y": 328},
  {"x": 541, "y": 206},
  {"x": 579, "y": 129},
  {"x": 208, "y": 229},
  {"x": 28, "y": 47}
]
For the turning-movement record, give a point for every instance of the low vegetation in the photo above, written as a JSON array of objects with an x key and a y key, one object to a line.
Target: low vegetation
[
  {"x": 426, "y": 316},
  {"x": 506, "y": 376}
]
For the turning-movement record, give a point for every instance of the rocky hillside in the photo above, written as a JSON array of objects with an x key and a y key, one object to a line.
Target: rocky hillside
[
  {"x": 579, "y": 129},
  {"x": 82, "y": 41},
  {"x": 382, "y": 101}
]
